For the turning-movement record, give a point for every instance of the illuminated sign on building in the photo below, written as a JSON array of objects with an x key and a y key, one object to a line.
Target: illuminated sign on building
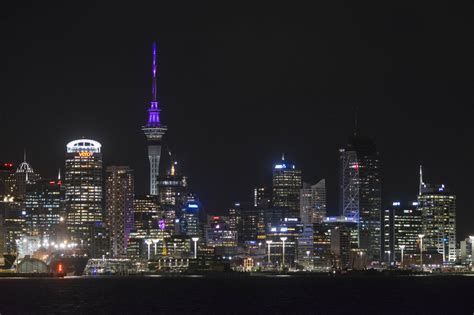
[{"x": 85, "y": 154}]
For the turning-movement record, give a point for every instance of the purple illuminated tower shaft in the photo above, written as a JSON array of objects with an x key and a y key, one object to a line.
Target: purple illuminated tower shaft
[{"x": 154, "y": 132}]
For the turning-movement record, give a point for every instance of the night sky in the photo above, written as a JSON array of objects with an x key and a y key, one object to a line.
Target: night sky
[{"x": 238, "y": 85}]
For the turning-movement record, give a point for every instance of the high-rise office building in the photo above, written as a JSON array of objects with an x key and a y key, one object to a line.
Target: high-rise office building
[
  {"x": 262, "y": 197},
  {"x": 44, "y": 206},
  {"x": 341, "y": 246},
  {"x": 252, "y": 224},
  {"x": 119, "y": 207},
  {"x": 6, "y": 171},
  {"x": 154, "y": 131},
  {"x": 313, "y": 202},
  {"x": 286, "y": 233},
  {"x": 13, "y": 224},
  {"x": 438, "y": 210},
  {"x": 218, "y": 233},
  {"x": 24, "y": 175},
  {"x": 171, "y": 188},
  {"x": 146, "y": 212},
  {"x": 286, "y": 187},
  {"x": 190, "y": 223},
  {"x": 360, "y": 191},
  {"x": 83, "y": 187},
  {"x": 401, "y": 227}
]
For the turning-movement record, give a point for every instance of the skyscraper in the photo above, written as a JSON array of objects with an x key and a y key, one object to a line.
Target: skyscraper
[
  {"x": 43, "y": 206},
  {"x": 401, "y": 227},
  {"x": 262, "y": 197},
  {"x": 18, "y": 181},
  {"x": 313, "y": 202},
  {"x": 83, "y": 187},
  {"x": 119, "y": 207},
  {"x": 360, "y": 191},
  {"x": 154, "y": 131},
  {"x": 438, "y": 210},
  {"x": 6, "y": 171},
  {"x": 286, "y": 187},
  {"x": 171, "y": 188}
]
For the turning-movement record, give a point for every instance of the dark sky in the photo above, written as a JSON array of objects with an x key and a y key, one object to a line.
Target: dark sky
[{"x": 239, "y": 85}]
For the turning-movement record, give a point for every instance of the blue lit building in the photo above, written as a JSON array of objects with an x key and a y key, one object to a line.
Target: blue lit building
[{"x": 190, "y": 223}]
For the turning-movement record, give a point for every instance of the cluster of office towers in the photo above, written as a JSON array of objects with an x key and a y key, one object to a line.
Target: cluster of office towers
[{"x": 285, "y": 225}]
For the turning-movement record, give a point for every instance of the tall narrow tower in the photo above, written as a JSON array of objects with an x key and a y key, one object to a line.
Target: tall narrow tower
[{"x": 154, "y": 132}]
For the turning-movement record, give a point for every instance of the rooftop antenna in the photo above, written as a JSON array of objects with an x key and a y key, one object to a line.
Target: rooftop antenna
[{"x": 421, "y": 179}]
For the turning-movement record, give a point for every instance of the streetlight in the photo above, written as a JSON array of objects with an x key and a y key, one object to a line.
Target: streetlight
[
  {"x": 148, "y": 242},
  {"x": 402, "y": 248},
  {"x": 195, "y": 239},
  {"x": 421, "y": 250},
  {"x": 269, "y": 243},
  {"x": 283, "y": 239},
  {"x": 155, "y": 241},
  {"x": 388, "y": 252}
]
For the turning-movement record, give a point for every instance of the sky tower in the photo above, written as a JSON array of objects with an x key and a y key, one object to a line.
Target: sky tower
[{"x": 154, "y": 132}]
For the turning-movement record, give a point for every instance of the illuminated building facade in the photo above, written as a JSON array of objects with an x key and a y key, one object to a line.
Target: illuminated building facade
[
  {"x": 171, "y": 188},
  {"x": 291, "y": 229},
  {"x": 252, "y": 223},
  {"x": 438, "y": 210},
  {"x": 218, "y": 233},
  {"x": 12, "y": 224},
  {"x": 360, "y": 191},
  {"x": 235, "y": 218},
  {"x": 262, "y": 197},
  {"x": 44, "y": 207},
  {"x": 119, "y": 207},
  {"x": 154, "y": 131},
  {"x": 313, "y": 202},
  {"x": 322, "y": 258},
  {"x": 18, "y": 181},
  {"x": 83, "y": 187},
  {"x": 401, "y": 227},
  {"x": 146, "y": 212},
  {"x": 6, "y": 171},
  {"x": 286, "y": 187},
  {"x": 190, "y": 224},
  {"x": 341, "y": 246}
]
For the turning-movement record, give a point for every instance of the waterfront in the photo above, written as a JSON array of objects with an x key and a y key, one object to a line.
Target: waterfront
[{"x": 240, "y": 294}]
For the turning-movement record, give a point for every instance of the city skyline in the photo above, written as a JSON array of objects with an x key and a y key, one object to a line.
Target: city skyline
[{"x": 404, "y": 143}]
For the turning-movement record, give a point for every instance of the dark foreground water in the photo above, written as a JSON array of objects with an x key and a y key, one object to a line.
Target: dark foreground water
[{"x": 220, "y": 295}]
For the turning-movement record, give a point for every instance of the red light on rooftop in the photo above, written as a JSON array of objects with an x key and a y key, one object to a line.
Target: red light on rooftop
[
  {"x": 52, "y": 182},
  {"x": 216, "y": 218}
]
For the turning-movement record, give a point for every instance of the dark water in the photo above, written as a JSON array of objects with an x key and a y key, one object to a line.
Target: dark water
[{"x": 220, "y": 295}]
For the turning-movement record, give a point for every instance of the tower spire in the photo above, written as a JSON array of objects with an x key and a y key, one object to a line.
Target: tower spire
[
  {"x": 24, "y": 155},
  {"x": 153, "y": 111},
  {"x": 154, "y": 92}
]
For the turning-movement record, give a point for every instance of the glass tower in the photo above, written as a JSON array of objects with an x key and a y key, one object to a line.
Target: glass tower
[
  {"x": 286, "y": 187},
  {"x": 360, "y": 191},
  {"x": 83, "y": 187}
]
